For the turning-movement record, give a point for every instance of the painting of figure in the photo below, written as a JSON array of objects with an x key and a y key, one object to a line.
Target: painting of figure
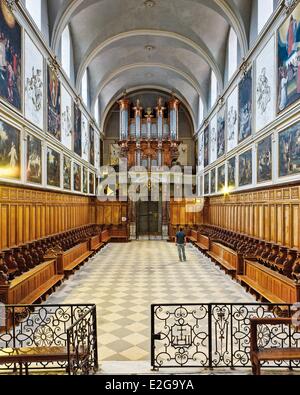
[
  {"x": 92, "y": 146},
  {"x": 53, "y": 168},
  {"x": 245, "y": 107},
  {"x": 67, "y": 173},
  {"x": 77, "y": 130},
  {"x": 66, "y": 118},
  {"x": 10, "y": 57},
  {"x": 92, "y": 183},
  {"x": 206, "y": 184},
  {"x": 232, "y": 120},
  {"x": 289, "y": 151},
  {"x": 245, "y": 168},
  {"x": 289, "y": 60},
  {"x": 97, "y": 150},
  {"x": 34, "y": 160},
  {"x": 221, "y": 178},
  {"x": 206, "y": 147},
  {"x": 231, "y": 166},
  {"x": 265, "y": 86},
  {"x": 201, "y": 151},
  {"x": 85, "y": 138},
  {"x": 213, "y": 139},
  {"x": 221, "y": 133},
  {"x": 115, "y": 152},
  {"x": 10, "y": 151},
  {"x": 213, "y": 181},
  {"x": 264, "y": 160},
  {"x": 77, "y": 177},
  {"x": 54, "y": 98},
  {"x": 85, "y": 180}
]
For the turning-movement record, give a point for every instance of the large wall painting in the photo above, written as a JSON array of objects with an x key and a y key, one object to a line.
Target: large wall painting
[
  {"x": 221, "y": 133},
  {"x": 53, "y": 168},
  {"x": 10, "y": 57},
  {"x": 10, "y": 151},
  {"x": 265, "y": 86},
  {"x": 201, "y": 151},
  {"x": 289, "y": 151},
  {"x": 92, "y": 146},
  {"x": 85, "y": 138},
  {"x": 77, "y": 177},
  {"x": 34, "y": 84},
  {"x": 206, "y": 184},
  {"x": 213, "y": 139},
  {"x": 97, "y": 150},
  {"x": 245, "y": 168},
  {"x": 67, "y": 173},
  {"x": 77, "y": 130},
  {"x": 245, "y": 106},
  {"x": 92, "y": 183},
  {"x": 264, "y": 160},
  {"x": 232, "y": 120},
  {"x": 85, "y": 180},
  {"x": 231, "y": 173},
  {"x": 34, "y": 160},
  {"x": 289, "y": 60},
  {"x": 206, "y": 147},
  {"x": 54, "y": 101},
  {"x": 221, "y": 178},
  {"x": 213, "y": 181},
  {"x": 66, "y": 118}
]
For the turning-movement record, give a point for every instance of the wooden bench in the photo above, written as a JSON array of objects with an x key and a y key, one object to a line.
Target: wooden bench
[
  {"x": 26, "y": 355},
  {"x": 193, "y": 237},
  {"x": 203, "y": 242},
  {"x": 271, "y": 354},
  {"x": 105, "y": 236},
  {"x": 30, "y": 287},
  {"x": 224, "y": 256},
  {"x": 268, "y": 284},
  {"x": 96, "y": 243},
  {"x": 71, "y": 259}
]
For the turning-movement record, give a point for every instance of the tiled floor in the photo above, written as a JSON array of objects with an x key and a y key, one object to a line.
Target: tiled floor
[{"x": 123, "y": 280}]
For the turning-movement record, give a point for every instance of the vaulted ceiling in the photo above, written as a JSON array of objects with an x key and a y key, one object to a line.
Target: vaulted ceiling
[{"x": 169, "y": 44}]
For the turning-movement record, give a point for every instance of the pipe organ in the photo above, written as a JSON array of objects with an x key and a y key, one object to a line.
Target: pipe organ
[{"x": 149, "y": 137}]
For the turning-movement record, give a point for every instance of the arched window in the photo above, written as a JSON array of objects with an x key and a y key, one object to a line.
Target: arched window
[
  {"x": 213, "y": 89},
  {"x": 34, "y": 8},
  {"x": 66, "y": 51},
  {"x": 84, "y": 87},
  {"x": 265, "y": 9},
  {"x": 201, "y": 111},
  {"x": 232, "y": 53},
  {"x": 96, "y": 111}
]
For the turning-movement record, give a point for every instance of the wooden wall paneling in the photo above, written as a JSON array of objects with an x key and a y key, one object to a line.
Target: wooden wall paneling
[
  {"x": 13, "y": 225},
  {"x": 295, "y": 226},
  {"x": 26, "y": 223},
  {"x": 280, "y": 226}
]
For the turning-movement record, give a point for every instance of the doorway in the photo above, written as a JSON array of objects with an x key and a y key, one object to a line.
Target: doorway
[{"x": 149, "y": 220}]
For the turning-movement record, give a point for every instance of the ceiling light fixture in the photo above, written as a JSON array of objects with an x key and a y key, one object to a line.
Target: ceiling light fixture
[{"x": 149, "y": 48}]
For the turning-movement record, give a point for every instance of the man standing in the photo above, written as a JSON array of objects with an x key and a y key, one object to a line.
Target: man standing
[{"x": 180, "y": 242}]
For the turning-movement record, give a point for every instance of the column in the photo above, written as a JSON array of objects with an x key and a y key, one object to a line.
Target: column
[
  {"x": 149, "y": 123},
  {"x": 138, "y": 116},
  {"x": 124, "y": 118},
  {"x": 160, "y": 117},
  {"x": 174, "y": 107}
]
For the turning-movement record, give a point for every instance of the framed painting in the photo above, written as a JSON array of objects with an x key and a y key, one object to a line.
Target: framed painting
[
  {"x": 201, "y": 151},
  {"x": 221, "y": 133},
  {"x": 85, "y": 180},
  {"x": 34, "y": 160},
  {"x": 85, "y": 138},
  {"x": 66, "y": 118},
  {"x": 10, "y": 57},
  {"x": 221, "y": 178},
  {"x": 231, "y": 173},
  {"x": 67, "y": 173},
  {"x": 245, "y": 107},
  {"x": 265, "y": 89},
  {"x": 97, "y": 150},
  {"x": 91, "y": 183},
  {"x": 54, "y": 101},
  {"x": 232, "y": 120},
  {"x": 206, "y": 184},
  {"x": 10, "y": 151},
  {"x": 264, "y": 160},
  {"x": 34, "y": 84},
  {"x": 213, "y": 181},
  {"x": 245, "y": 168},
  {"x": 77, "y": 130},
  {"x": 206, "y": 147},
  {"x": 77, "y": 177},
  {"x": 92, "y": 146},
  {"x": 213, "y": 140},
  {"x": 289, "y": 151},
  {"x": 288, "y": 83},
  {"x": 53, "y": 168}
]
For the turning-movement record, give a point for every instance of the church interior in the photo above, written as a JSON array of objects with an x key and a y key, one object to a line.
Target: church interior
[{"x": 149, "y": 187}]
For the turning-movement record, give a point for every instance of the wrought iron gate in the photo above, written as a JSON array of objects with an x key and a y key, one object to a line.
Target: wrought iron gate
[{"x": 215, "y": 335}]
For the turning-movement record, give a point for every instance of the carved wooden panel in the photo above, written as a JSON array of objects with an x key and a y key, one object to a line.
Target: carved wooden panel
[{"x": 181, "y": 213}]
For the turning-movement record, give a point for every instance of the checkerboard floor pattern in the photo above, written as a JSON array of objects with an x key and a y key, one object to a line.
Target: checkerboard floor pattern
[{"x": 123, "y": 280}]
